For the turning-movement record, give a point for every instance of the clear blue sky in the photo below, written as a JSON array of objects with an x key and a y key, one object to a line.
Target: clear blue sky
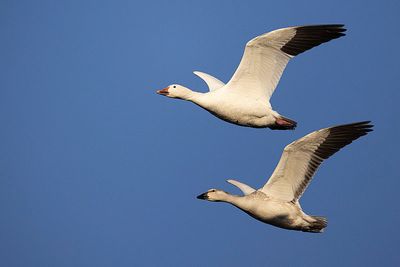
[{"x": 98, "y": 170}]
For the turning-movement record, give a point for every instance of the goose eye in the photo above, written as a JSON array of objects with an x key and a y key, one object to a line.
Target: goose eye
[{"x": 174, "y": 86}]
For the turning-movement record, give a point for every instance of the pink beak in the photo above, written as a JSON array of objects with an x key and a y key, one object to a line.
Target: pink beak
[{"x": 163, "y": 91}]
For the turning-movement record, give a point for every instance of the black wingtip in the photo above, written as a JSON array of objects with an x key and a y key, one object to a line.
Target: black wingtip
[
  {"x": 352, "y": 130},
  {"x": 366, "y": 125},
  {"x": 309, "y": 36},
  {"x": 341, "y": 135}
]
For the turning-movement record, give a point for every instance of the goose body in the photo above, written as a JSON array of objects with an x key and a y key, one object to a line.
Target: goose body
[
  {"x": 233, "y": 108},
  {"x": 244, "y": 100},
  {"x": 277, "y": 202},
  {"x": 271, "y": 211}
]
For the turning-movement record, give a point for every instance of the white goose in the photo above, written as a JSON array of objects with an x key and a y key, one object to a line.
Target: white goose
[
  {"x": 244, "y": 100},
  {"x": 277, "y": 202}
]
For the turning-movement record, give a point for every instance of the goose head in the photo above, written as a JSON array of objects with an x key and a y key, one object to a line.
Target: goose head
[
  {"x": 175, "y": 91},
  {"x": 214, "y": 195}
]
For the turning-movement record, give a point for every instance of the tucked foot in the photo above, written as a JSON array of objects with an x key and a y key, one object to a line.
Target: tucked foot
[{"x": 283, "y": 123}]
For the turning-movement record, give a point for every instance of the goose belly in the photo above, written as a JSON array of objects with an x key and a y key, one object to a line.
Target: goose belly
[
  {"x": 250, "y": 114},
  {"x": 283, "y": 215}
]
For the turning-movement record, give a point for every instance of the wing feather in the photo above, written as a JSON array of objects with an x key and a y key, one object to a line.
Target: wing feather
[
  {"x": 212, "y": 82},
  {"x": 301, "y": 159},
  {"x": 266, "y": 56}
]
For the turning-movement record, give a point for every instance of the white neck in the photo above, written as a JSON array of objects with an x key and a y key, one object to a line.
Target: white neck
[
  {"x": 233, "y": 199},
  {"x": 192, "y": 96},
  {"x": 241, "y": 202}
]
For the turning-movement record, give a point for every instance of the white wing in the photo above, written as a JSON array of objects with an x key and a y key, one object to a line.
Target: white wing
[
  {"x": 212, "y": 82},
  {"x": 265, "y": 57},
  {"x": 301, "y": 159},
  {"x": 243, "y": 187}
]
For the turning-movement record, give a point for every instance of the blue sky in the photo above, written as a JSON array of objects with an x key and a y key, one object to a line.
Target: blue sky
[{"x": 98, "y": 170}]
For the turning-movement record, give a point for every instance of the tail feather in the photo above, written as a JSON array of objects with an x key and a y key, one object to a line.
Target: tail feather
[{"x": 317, "y": 226}]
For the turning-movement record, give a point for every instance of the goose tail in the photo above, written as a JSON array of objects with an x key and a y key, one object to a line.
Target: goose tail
[{"x": 316, "y": 226}]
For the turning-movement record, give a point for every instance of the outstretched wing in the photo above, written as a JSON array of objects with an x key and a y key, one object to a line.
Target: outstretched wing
[
  {"x": 301, "y": 159},
  {"x": 246, "y": 189},
  {"x": 265, "y": 57},
  {"x": 212, "y": 82}
]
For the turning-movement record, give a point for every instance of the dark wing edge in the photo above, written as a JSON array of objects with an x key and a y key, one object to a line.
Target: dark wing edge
[
  {"x": 338, "y": 137},
  {"x": 307, "y": 37}
]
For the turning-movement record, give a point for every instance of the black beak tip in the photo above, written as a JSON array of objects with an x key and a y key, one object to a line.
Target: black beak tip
[{"x": 202, "y": 196}]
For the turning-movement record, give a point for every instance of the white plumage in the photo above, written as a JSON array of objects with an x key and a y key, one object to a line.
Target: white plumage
[
  {"x": 244, "y": 100},
  {"x": 277, "y": 202}
]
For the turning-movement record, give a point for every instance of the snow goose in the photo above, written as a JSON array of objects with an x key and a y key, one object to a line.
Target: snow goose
[
  {"x": 277, "y": 202},
  {"x": 244, "y": 100}
]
